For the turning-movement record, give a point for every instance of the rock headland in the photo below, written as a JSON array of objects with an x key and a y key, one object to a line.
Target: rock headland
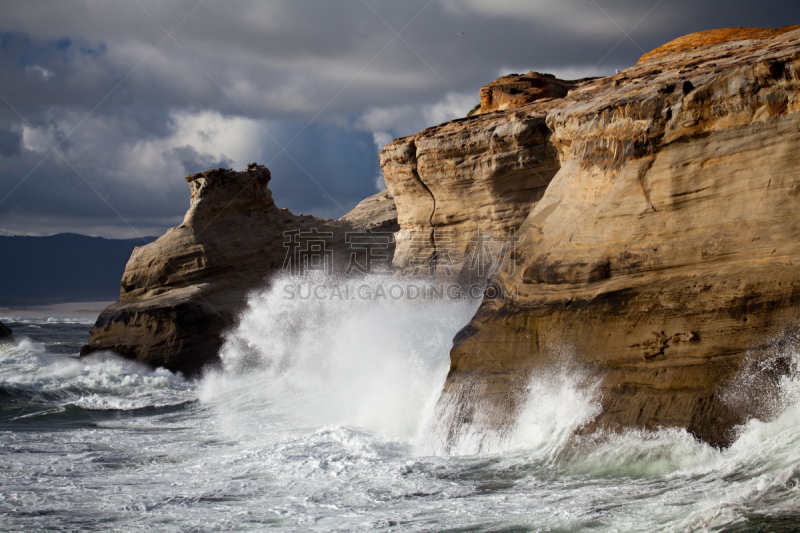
[
  {"x": 179, "y": 293},
  {"x": 647, "y": 228},
  {"x": 662, "y": 255}
]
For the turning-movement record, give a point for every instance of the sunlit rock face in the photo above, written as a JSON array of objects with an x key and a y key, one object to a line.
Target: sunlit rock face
[
  {"x": 712, "y": 37},
  {"x": 661, "y": 247},
  {"x": 452, "y": 182},
  {"x": 651, "y": 223},
  {"x": 182, "y": 291},
  {"x": 474, "y": 179},
  {"x": 515, "y": 90}
]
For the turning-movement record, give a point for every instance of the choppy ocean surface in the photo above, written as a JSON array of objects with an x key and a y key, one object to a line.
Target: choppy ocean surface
[{"x": 322, "y": 419}]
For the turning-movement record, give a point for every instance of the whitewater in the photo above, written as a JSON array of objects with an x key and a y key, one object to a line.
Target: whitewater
[{"x": 324, "y": 416}]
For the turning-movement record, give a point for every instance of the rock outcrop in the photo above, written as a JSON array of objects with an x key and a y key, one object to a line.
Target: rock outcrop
[
  {"x": 695, "y": 41},
  {"x": 179, "y": 293},
  {"x": 661, "y": 240},
  {"x": 5, "y": 332},
  {"x": 478, "y": 176},
  {"x": 647, "y": 222},
  {"x": 515, "y": 90},
  {"x": 376, "y": 213}
]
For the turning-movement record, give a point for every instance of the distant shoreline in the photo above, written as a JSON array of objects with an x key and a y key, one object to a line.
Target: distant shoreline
[{"x": 68, "y": 308}]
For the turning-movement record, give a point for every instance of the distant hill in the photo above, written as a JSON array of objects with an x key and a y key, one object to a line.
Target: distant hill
[{"x": 62, "y": 268}]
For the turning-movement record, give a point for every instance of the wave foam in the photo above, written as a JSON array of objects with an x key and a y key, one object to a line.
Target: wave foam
[
  {"x": 101, "y": 381},
  {"x": 376, "y": 363}
]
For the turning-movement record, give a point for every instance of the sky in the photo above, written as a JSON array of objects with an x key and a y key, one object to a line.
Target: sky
[{"x": 105, "y": 106}]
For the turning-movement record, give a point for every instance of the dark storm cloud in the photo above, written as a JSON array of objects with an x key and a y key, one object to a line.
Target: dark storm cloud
[
  {"x": 10, "y": 142},
  {"x": 193, "y": 162},
  {"x": 133, "y": 111}
]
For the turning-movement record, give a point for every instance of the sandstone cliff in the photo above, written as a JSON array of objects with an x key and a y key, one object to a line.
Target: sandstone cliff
[
  {"x": 710, "y": 37},
  {"x": 660, "y": 240},
  {"x": 515, "y": 90},
  {"x": 180, "y": 292},
  {"x": 377, "y": 213},
  {"x": 463, "y": 187},
  {"x": 485, "y": 172},
  {"x": 651, "y": 216}
]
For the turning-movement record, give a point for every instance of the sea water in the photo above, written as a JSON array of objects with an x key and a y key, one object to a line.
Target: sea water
[{"x": 323, "y": 416}]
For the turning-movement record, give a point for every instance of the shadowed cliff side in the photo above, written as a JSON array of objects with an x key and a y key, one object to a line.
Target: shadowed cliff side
[
  {"x": 179, "y": 293},
  {"x": 662, "y": 255}
]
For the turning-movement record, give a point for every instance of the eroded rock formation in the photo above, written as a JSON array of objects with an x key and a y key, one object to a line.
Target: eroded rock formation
[
  {"x": 515, "y": 90},
  {"x": 652, "y": 215},
  {"x": 710, "y": 37},
  {"x": 376, "y": 213},
  {"x": 479, "y": 174},
  {"x": 180, "y": 292},
  {"x": 663, "y": 253}
]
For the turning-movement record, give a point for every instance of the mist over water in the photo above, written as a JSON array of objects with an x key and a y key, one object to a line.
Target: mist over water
[
  {"x": 324, "y": 417},
  {"x": 374, "y": 362},
  {"x": 555, "y": 403}
]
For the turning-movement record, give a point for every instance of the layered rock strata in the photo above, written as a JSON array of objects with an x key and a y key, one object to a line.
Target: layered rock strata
[
  {"x": 376, "y": 213},
  {"x": 462, "y": 188},
  {"x": 660, "y": 255},
  {"x": 515, "y": 90},
  {"x": 470, "y": 178},
  {"x": 651, "y": 216},
  {"x": 179, "y": 293},
  {"x": 710, "y": 37}
]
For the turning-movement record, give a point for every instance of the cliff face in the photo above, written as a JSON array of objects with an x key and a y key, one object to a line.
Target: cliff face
[
  {"x": 480, "y": 174},
  {"x": 180, "y": 292},
  {"x": 661, "y": 248},
  {"x": 651, "y": 218},
  {"x": 376, "y": 213}
]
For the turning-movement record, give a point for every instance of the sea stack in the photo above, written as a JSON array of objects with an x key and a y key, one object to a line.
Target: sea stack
[{"x": 179, "y": 293}]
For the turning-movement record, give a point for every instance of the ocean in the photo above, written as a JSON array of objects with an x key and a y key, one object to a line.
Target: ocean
[{"x": 323, "y": 417}]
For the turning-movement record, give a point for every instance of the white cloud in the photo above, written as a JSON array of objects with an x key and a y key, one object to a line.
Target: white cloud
[
  {"x": 40, "y": 72},
  {"x": 208, "y": 134},
  {"x": 381, "y": 139},
  {"x": 99, "y": 146},
  {"x": 35, "y": 139},
  {"x": 385, "y": 122}
]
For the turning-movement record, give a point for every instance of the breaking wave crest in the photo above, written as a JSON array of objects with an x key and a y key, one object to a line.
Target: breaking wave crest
[
  {"x": 35, "y": 376},
  {"x": 555, "y": 403},
  {"x": 324, "y": 415},
  {"x": 380, "y": 364},
  {"x": 376, "y": 363}
]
